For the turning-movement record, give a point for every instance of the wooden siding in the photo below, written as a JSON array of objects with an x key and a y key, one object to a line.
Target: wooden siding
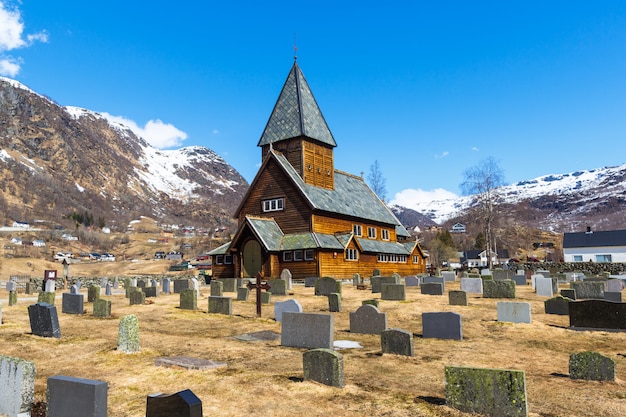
[
  {"x": 318, "y": 165},
  {"x": 273, "y": 183},
  {"x": 331, "y": 225},
  {"x": 223, "y": 271}
]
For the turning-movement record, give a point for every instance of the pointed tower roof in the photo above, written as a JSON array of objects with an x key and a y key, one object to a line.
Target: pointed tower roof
[{"x": 296, "y": 113}]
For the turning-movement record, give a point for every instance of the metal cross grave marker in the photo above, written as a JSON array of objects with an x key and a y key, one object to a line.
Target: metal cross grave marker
[{"x": 258, "y": 285}]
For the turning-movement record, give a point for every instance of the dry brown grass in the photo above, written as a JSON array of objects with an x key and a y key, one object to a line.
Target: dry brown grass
[{"x": 265, "y": 379}]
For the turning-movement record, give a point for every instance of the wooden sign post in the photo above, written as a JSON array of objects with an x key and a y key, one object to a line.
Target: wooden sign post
[{"x": 259, "y": 285}]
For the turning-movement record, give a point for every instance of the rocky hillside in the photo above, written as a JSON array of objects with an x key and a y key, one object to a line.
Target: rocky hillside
[{"x": 55, "y": 161}]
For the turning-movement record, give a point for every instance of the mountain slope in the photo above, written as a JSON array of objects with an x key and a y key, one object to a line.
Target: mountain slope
[{"x": 57, "y": 160}]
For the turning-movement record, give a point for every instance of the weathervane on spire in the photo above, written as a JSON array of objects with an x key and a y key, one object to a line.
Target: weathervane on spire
[{"x": 295, "y": 48}]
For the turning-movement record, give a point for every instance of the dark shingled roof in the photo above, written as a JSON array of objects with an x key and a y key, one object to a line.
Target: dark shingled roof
[
  {"x": 296, "y": 114},
  {"x": 594, "y": 239}
]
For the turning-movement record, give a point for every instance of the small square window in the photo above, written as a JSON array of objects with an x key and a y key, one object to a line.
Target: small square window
[
  {"x": 358, "y": 230},
  {"x": 309, "y": 255},
  {"x": 371, "y": 232},
  {"x": 297, "y": 255},
  {"x": 219, "y": 259},
  {"x": 287, "y": 256},
  {"x": 385, "y": 234},
  {"x": 228, "y": 259}
]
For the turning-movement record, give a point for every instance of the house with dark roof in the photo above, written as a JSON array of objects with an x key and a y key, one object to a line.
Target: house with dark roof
[
  {"x": 302, "y": 214},
  {"x": 595, "y": 246},
  {"x": 479, "y": 258}
]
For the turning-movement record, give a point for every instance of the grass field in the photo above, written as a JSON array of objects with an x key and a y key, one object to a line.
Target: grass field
[{"x": 264, "y": 379}]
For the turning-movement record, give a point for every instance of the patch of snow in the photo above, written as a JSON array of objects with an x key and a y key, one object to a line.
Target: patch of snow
[
  {"x": 81, "y": 189},
  {"x": 346, "y": 344},
  {"x": 4, "y": 155}
]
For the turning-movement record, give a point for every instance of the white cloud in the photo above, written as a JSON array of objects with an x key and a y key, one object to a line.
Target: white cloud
[
  {"x": 443, "y": 155},
  {"x": 155, "y": 132},
  {"x": 11, "y": 37},
  {"x": 216, "y": 132},
  {"x": 474, "y": 148},
  {"x": 412, "y": 198}
]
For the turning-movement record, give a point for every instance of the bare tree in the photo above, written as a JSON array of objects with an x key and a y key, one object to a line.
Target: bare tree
[
  {"x": 376, "y": 181},
  {"x": 482, "y": 181}
]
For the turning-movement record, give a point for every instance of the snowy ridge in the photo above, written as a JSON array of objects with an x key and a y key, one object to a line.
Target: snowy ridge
[{"x": 587, "y": 186}]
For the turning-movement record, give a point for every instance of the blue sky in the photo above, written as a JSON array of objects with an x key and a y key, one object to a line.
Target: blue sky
[{"x": 427, "y": 89}]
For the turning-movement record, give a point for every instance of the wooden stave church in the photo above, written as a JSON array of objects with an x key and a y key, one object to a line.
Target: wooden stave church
[{"x": 302, "y": 214}]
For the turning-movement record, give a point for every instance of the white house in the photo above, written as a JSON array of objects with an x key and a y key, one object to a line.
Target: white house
[
  {"x": 16, "y": 241},
  {"x": 478, "y": 258},
  {"x": 22, "y": 225},
  {"x": 591, "y": 246},
  {"x": 458, "y": 228},
  {"x": 39, "y": 243}
]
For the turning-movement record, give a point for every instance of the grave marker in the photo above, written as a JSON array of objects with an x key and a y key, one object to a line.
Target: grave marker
[
  {"x": 397, "y": 342},
  {"x": 12, "y": 298},
  {"x": 189, "y": 299},
  {"x": 93, "y": 292},
  {"x": 46, "y": 297},
  {"x": 137, "y": 297},
  {"x": 181, "y": 404},
  {"x": 17, "y": 386},
  {"x": 309, "y": 282},
  {"x": 327, "y": 285},
  {"x": 597, "y": 314},
  {"x": 75, "y": 397},
  {"x": 432, "y": 288},
  {"x": 44, "y": 320},
  {"x": 457, "y": 298},
  {"x": 498, "y": 289},
  {"x": 591, "y": 366},
  {"x": 128, "y": 334},
  {"x": 412, "y": 281},
  {"x": 558, "y": 305},
  {"x": 334, "y": 302},
  {"x": 230, "y": 284},
  {"x": 442, "y": 325},
  {"x": 324, "y": 366},
  {"x": 258, "y": 286},
  {"x": 167, "y": 283},
  {"x": 588, "y": 290},
  {"x": 242, "y": 294},
  {"x": 72, "y": 303},
  {"x": 101, "y": 308},
  {"x": 307, "y": 330},
  {"x": 221, "y": 305},
  {"x": 285, "y": 275},
  {"x": 277, "y": 286},
  {"x": 368, "y": 319},
  {"x": 514, "y": 312},
  {"x": 151, "y": 292},
  {"x": 472, "y": 285},
  {"x": 291, "y": 306},
  {"x": 217, "y": 288},
  {"x": 543, "y": 287}
]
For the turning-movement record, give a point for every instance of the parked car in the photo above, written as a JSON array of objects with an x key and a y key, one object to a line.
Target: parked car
[
  {"x": 159, "y": 255},
  {"x": 203, "y": 257},
  {"x": 62, "y": 255},
  {"x": 94, "y": 256},
  {"x": 107, "y": 257}
]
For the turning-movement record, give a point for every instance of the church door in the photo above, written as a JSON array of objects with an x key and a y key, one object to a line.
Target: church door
[{"x": 251, "y": 258}]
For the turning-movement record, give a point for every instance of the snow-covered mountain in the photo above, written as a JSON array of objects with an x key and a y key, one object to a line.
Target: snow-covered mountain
[
  {"x": 559, "y": 202},
  {"x": 57, "y": 160}
]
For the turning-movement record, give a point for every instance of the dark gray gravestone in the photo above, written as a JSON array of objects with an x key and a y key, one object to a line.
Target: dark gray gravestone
[
  {"x": 498, "y": 289},
  {"x": 101, "y": 308},
  {"x": 368, "y": 319},
  {"x": 44, "y": 320},
  {"x": 277, "y": 286},
  {"x": 519, "y": 279},
  {"x": 412, "y": 281},
  {"x": 309, "y": 282},
  {"x": 167, "y": 284},
  {"x": 457, "y": 298},
  {"x": 266, "y": 297},
  {"x": 397, "y": 342},
  {"x": 557, "y": 305},
  {"x": 76, "y": 397},
  {"x": 182, "y": 404},
  {"x": 93, "y": 292},
  {"x": 597, "y": 314},
  {"x": 217, "y": 288},
  {"x": 107, "y": 290},
  {"x": 324, "y": 366},
  {"x": 394, "y": 292},
  {"x": 494, "y": 392},
  {"x": 151, "y": 291},
  {"x": 230, "y": 284},
  {"x": 72, "y": 303},
  {"x": 432, "y": 288},
  {"x": 588, "y": 289},
  {"x": 181, "y": 284},
  {"x": 442, "y": 325},
  {"x": 334, "y": 302},
  {"x": 428, "y": 280},
  {"x": 243, "y": 293},
  {"x": 307, "y": 330},
  {"x": 571, "y": 294},
  {"x": 221, "y": 305},
  {"x": 375, "y": 283},
  {"x": 141, "y": 283},
  {"x": 613, "y": 296},
  {"x": 327, "y": 285},
  {"x": 137, "y": 297},
  {"x": 189, "y": 299},
  {"x": 591, "y": 366}
]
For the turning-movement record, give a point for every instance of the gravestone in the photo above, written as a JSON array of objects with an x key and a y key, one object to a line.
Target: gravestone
[
  {"x": 151, "y": 291},
  {"x": 514, "y": 312},
  {"x": 31, "y": 288},
  {"x": 128, "y": 334},
  {"x": 457, "y": 298},
  {"x": 448, "y": 276},
  {"x": 569, "y": 293},
  {"x": 558, "y": 305},
  {"x": 44, "y": 320},
  {"x": 486, "y": 272},
  {"x": 327, "y": 285},
  {"x": 277, "y": 286},
  {"x": 397, "y": 342},
  {"x": 75, "y": 397},
  {"x": 324, "y": 366},
  {"x": 12, "y": 298},
  {"x": 93, "y": 292},
  {"x": 50, "y": 285},
  {"x": 614, "y": 285},
  {"x": 141, "y": 283},
  {"x": 230, "y": 284},
  {"x": 373, "y": 302},
  {"x": 375, "y": 283},
  {"x": 196, "y": 286},
  {"x": 243, "y": 293},
  {"x": 285, "y": 275},
  {"x": 394, "y": 292},
  {"x": 266, "y": 297},
  {"x": 72, "y": 303},
  {"x": 130, "y": 290},
  {"x": 104, "y": 282},
  {"x": 432, "y": 288},
  {"x": 376, "y": 272},
  {"x": 428, "y": 280},
  {"x": 108, "y": 290},
  {"x": 493, "y": 392},
  {"x": 134, "y": 282},
  {"x": 217, "y": 288},
  {"x": 334, "y": 302},
  {"x": 442, "y": 325},
  {"x": 221, "y": 305},
  {"x": 472, "y": 285},
  {"x": 181, "y": 404},
  {"x": 588, "y": 290},
  {"x": 17, "y": 386},
  {"x": 154, "y": 283},
  {"x": 591, "y": 366},
  {"x": 543, "y": 287},
  {"x": 597, "y": 314},
  {"x": 501, "y": 274},
  {"x": 46, "y": 297},
  {"x": 137, "y": 297},
  {"x": 356, "y": 280},
  {"x": 309, "y": 282},
  {"x": 101, "y": 308},
  {"x": 533, "y": 279},
  {"x": 291, "y": 306},
  {"x": 11, "y": 286},
  {"x": 307, "y": 330},
  {"x": 519, "y": 279},
  {"x": 167, "y": 284},
  {"x": 181, "y": 284},
  {"x": 189, "y": 299},
  {"x": 499, "y": 289},
  {"x": 412, "y": 281},
  {"x": 116, "y": 283},
  {"x": 368, "y": 319},
  {"x": 613, "y": 296}
]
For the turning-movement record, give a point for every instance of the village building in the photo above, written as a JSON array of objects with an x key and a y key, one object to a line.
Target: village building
[
  {"x": 302, "y": 214},
  {"x": 595, "y": 246}
]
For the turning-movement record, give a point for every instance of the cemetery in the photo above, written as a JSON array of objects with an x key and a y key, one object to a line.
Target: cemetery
[{"x": 199, "y": 349}]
